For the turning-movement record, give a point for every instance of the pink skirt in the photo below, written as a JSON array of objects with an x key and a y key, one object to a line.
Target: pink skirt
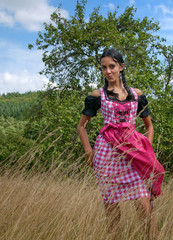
[
  {"x": 117, "y": 179},
  {"x": 138, "y": 151}
]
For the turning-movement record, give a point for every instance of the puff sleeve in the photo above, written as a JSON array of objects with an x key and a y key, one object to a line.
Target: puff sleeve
[
  {"x": 142, "y": 106},
  {"x": 92, "y": 104}
]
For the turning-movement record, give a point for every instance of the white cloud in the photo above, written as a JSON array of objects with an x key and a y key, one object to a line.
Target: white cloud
[
  {"x": 166, "y": 19},
  {"x": 30, "y": 14},
  {"x": 23, "y": 82},
  {"x": 15, "y": 58},
  {"x": 167, "y": 23},
  {"x": 132, "y": 2},
  {"x": 6, "y": 19},
  {"x": 19, "y": 69},
  {"x": 111, "y": 6},
  {"x": 165, "y": 10}
]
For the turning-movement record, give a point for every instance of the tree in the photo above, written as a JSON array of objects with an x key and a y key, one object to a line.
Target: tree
[
  {"x": 72, "y": 47},
  {"x": 12, "y": 139},
  {"x": 167, "y": 52}
]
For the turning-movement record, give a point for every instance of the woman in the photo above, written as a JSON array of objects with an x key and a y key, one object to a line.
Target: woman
[{"x": 123, "y": 159}]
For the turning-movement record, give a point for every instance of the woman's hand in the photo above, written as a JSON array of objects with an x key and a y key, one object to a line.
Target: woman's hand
[{"x": 89, "y": 158}]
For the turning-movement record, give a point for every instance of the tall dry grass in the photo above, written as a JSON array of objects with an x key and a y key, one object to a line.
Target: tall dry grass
[
  {"x": 46, "y": 207},
  {"x": 51, "y": 206}
]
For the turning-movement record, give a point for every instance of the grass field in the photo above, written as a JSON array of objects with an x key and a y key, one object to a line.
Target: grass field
[{"x": 48, "y": 207}]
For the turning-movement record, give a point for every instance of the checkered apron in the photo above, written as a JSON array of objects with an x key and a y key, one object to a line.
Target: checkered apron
[{"x": 116, "y": 178}]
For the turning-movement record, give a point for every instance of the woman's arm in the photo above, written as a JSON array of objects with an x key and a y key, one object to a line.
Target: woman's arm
[
  {"x": 83, "y": 134},
  {"x": 147, "y": 122},
  {"x": 84, "y": 139},
  {"x": 149, "y": 128}
]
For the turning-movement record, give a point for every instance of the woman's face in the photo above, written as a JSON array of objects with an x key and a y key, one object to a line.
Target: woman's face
[{"x": 111, "y": 69}]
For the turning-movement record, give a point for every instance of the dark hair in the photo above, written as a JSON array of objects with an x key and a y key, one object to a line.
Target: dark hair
[{"x": 115, "y": 54}]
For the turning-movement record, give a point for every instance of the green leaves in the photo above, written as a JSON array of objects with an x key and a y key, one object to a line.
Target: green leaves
[
  {"x": 12, "y": 140},
  {"x": 72, "y": 47}
]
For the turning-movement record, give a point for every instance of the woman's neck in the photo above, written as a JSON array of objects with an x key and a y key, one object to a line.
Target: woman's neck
[{"x": 115, "y": 86}]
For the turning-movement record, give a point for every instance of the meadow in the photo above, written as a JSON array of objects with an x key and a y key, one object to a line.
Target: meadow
[{"x": 52, "y": 206}]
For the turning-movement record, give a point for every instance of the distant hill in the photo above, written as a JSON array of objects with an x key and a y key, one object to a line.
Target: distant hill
[{"x": 17, "y": 105}]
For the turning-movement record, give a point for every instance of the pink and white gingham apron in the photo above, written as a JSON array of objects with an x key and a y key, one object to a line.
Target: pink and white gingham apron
[{"x": 117, "y": 179}]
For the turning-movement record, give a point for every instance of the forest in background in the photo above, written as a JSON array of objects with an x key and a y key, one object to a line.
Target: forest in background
[{"x": 46, "y": 122}]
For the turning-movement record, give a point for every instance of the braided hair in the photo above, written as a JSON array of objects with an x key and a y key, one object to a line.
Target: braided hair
[{"x": 116, "y": 56}]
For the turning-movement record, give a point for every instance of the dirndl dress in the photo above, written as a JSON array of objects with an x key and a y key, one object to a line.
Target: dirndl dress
[{"x": 116, "y": 177}]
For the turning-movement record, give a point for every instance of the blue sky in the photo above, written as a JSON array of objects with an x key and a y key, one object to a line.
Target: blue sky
[{"x": 21, "y": 20}]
